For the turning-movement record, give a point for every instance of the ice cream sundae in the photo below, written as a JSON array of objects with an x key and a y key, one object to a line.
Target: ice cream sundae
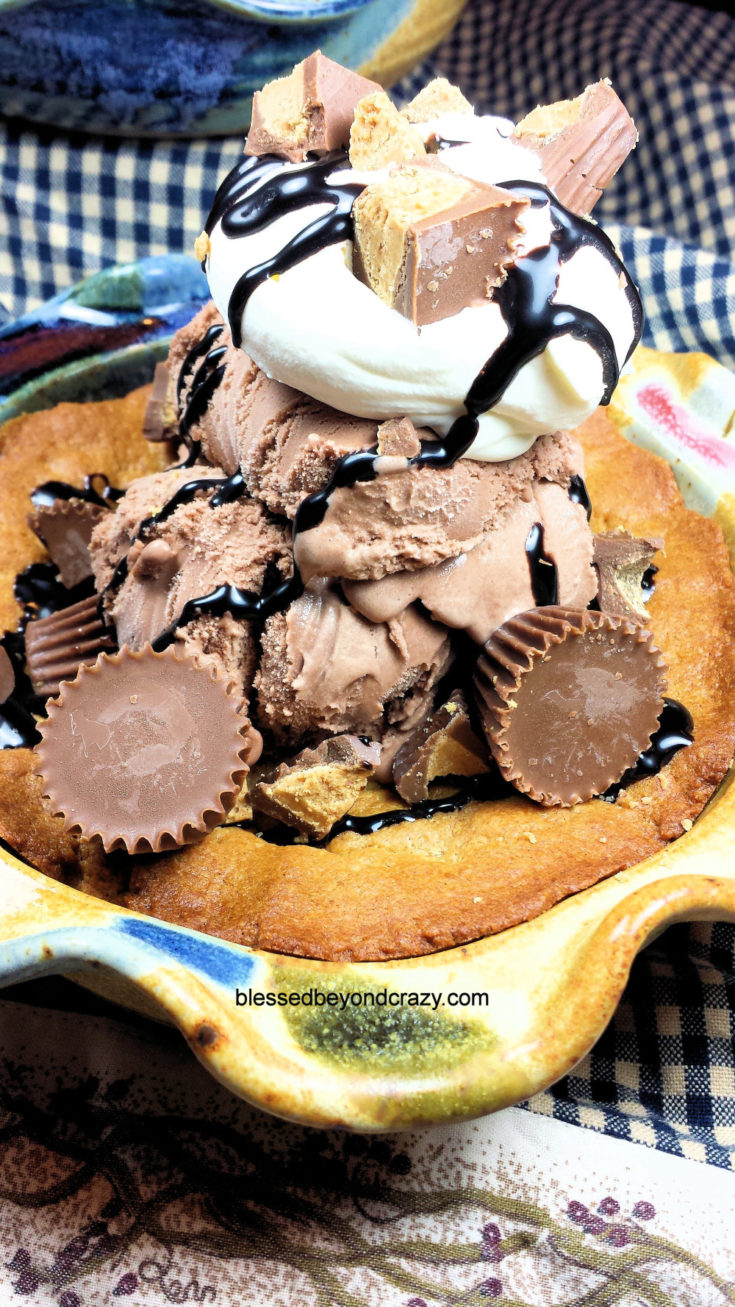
[{"x": 368, "y": 569}]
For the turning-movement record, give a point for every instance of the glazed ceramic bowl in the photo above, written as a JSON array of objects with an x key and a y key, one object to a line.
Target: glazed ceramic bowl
[
  {"x": 160, "y": 68},
  {"x": 341, "y": 1044}
]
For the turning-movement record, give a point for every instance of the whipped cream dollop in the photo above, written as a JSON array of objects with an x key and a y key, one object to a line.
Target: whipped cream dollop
[{"x": 319, "y": 329}]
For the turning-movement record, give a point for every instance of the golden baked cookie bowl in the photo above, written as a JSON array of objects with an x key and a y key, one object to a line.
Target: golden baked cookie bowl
[{"x": 404, "y": 1041}]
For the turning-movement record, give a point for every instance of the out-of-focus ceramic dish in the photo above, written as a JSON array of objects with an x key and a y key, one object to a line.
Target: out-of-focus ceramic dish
[
  {"x": 369, "y": 1060},
  {"x": 160, "y": 68}
]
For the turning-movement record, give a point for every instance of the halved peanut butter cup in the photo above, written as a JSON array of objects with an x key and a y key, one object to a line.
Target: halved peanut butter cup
[
  {"x": 568, "y": 700},
  {"x": 146, "y": 750}
]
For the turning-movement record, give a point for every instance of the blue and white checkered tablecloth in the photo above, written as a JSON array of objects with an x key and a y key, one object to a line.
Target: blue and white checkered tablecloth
[{"x": 664, "y": 1072}]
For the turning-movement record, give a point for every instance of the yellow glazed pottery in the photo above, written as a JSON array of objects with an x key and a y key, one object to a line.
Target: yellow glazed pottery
[{"x": 374, "y": 1056}]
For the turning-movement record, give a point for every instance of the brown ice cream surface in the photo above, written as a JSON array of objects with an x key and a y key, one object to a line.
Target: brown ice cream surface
[
  {"x": 326, "y": 669},
  {"x": 285, "y": 443},
  {"x": 424, "y": 516},
  {"x": 354, "y": 653},
  {"x": 477, "y": 591},
  {"x": 113, "y": 537},
  {"x": 192, "y": 552},
  {"x": 287, "y": 446}
]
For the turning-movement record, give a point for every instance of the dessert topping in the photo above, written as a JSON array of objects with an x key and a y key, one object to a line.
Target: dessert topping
[
  {"x": 568, "y": 700},
  {"x": 310, "y": 111},
  {"x": 437, "y": 98},
  {"x": 429, "y": 242},
  {"x": 317, "y": 787},
  {"x": 160, "y": 420},
  {"x": 445, "y": 745},
  {"x": 65, "y": 526},
  {"x": 202, "y": 246},
  {"x": 582, "y": 143},
  {"x": 622, "y": 561},
  {"x": 161, "y": 746},
  {"x": 380, "y": 135},
  {"x": 58, "y": 645},
  {"x": 7, "y": 675},
  {"x": 398, "y": 438}
]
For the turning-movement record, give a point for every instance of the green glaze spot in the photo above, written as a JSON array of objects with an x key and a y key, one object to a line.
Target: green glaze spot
[
  {"x": 112, "y": 289},
  {"x": 370, "y": 1037}
]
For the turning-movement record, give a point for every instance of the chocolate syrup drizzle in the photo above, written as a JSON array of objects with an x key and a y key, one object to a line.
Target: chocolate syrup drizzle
[
  {"x": 208, "y": 376},
  {"x": 578, "y": 495},
  {"x": 45, "y": 495},
  {"x": 40, "y": 592},
  {"x": 675, "y": 732},
  {"x": 544, "y": 577},
  {"x": 18, "y": 728},
  {"x": 260, "y": 190}
]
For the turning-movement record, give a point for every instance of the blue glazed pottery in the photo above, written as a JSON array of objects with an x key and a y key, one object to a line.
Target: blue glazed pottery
[
  {"x": 552, "y": 983},
  {"x": 158, "y": 68}
]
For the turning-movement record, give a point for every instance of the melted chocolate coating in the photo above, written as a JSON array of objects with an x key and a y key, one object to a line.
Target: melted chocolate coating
[
  {"x": 544, "y": 578},
  {"x": 675, "y": 732},
  {"x": 45, "y": 495},
  {"x": 578, "y": 495},
  {"x": 41, "y": 593},
  {"x": 260, "y": 189},
  {"x": 17, "y": 725},
  {"x": 243, "y": 208}
]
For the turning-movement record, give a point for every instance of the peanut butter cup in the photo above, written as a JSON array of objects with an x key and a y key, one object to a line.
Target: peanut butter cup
[
  {"x": 145, "y": 750},
  {"x": 65, "y": 527},
  {"x": 568, "y": 700},
  {"x": 58, "y": 645}
]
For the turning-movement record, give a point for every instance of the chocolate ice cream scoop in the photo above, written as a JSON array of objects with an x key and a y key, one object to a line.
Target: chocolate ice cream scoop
[
  {"x": 184, "y": 556},
  {"x": 324, "y": 668},
  {"x": 568, "y": 700},
  {"x": 145, "y": 750},
  {"x": 540, "y": 550}
]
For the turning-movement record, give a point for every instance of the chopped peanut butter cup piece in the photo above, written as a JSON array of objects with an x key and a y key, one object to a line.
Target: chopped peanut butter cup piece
[
  {"x": 568, "y": 700},
  {"x": 581, "y": 143},
  {"x": 146, "y": 750},
  {"x": 429, "y": 243},
  {"x": 398, "y": 438},
  {"x": 311, "y": 110},
  {"x": 317, "y": 787},
  {"x": 445, "y": 745},
  {"x": 437, "y": 98},
  {"x": 7, "y": 675},
  {"x": 58, "y": 645},
  {"x": 622, "y": 562},
  {"x": 160, "y": 421},
  {"x": 380, "y": 135},
  {"x": 65, "y": 527}
]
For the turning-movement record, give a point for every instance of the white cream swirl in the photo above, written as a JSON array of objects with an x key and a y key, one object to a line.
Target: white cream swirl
[{"x": 317, "y": 328}]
